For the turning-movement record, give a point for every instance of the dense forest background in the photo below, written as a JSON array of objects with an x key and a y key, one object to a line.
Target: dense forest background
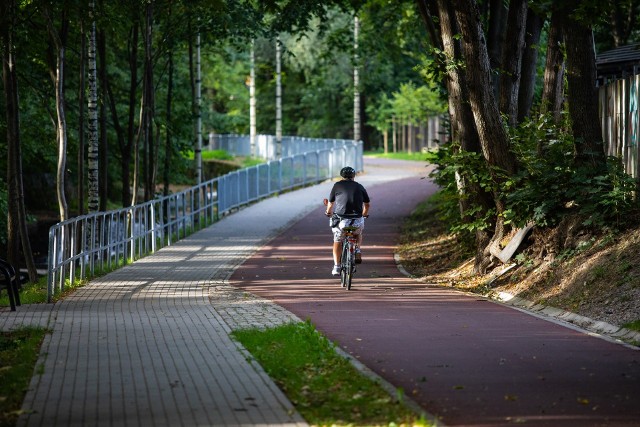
[{"x": 100, "y": 96}]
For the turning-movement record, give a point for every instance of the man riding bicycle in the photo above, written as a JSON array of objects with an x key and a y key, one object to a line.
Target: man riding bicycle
[{"x": 350, "y": 203}]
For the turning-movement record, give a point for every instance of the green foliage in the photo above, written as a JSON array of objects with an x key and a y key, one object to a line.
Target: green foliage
[
  {"x": 324, "y": 387},
  {"x": 452, "y": 162},
  {"x": 549, "y": 185},
  {"x": 417, "y": 101}
]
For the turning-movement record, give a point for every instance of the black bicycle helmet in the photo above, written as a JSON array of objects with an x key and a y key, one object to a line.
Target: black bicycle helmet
[{"x": 347, "y": 172}]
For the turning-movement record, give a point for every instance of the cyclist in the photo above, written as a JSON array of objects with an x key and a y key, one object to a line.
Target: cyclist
[{"x": 348, "y": 205}]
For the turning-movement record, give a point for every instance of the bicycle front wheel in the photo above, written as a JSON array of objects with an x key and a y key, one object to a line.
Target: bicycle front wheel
[
  {"x": 348, "y": 276},
  {"x": 344, "y": 266},
  {"x": 349, "y": 266}
]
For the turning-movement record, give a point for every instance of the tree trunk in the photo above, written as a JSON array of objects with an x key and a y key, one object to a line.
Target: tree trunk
[
  {"x": 622, "y": 19},
  {"x": 512, "y": 60},
  {"x": 16, "y": 217},
  {"x": 463, "y": 129},
  {"x": 582, "y": 92},
  {"x": 149, "y": 109},
  {"x": 493, "y": 137},
  {"x": 553, "y": 84},
  {"x": 278, "y": 154},
  {"x": 81, "y": 118},
  {"x": 124, "y": 146},
  {"x": 356, "y": 82},
  {"x": 92, "y": 108},
  {"x": 529, "y": 64},
  {"x": 495, "y": 39},
  {"x": 168, "y": 147},
  {"x": 59, "y": 42},
  {"x": 103, "y": 142},
  {"x": 126, "y": 149},
  {"x": 198, "y": 149}
]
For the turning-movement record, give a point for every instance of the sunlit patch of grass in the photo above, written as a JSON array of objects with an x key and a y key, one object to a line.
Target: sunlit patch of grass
[
  {"x": 324, "y": 387},
  {"x": 419, "y": 156}
]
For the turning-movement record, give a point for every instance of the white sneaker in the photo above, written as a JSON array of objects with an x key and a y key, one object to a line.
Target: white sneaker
[{"x": 336, "y": 270}]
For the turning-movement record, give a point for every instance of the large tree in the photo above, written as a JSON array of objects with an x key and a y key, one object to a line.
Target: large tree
[
  {"x": 16, "y": 215},
  {"x": 581, "y": 85},
  {"x": 463, "y": 130}
]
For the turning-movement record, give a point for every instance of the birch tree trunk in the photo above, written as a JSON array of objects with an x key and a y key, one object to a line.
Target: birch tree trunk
[
  {"x": 356, "y": 81},
  {"x": 198, "y": 150},
  {"x": 278, "y": 99},
  {"x": 93, "y": 198},
  {"x": 252, "y": 100}
]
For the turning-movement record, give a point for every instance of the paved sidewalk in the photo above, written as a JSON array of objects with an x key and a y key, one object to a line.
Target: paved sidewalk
[{"x": 149, "y": 344}]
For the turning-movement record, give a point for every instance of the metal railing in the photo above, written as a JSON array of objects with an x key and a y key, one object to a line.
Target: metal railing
[
  {"x": 82, "y": 247},
  {"x": 266, "y": 145}
]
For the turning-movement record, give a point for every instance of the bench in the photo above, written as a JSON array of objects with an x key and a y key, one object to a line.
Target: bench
[{"x": 12, "y": 281}]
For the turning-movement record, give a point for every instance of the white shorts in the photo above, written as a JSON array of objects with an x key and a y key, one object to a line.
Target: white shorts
[{"x": 338, "y": 234}]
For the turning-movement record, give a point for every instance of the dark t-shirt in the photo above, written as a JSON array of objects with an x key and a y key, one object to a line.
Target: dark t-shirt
[{"x": 348, "y": 197}]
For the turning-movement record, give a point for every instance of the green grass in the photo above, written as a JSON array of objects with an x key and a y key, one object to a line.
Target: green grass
[
  {"x": 210, "y": 155},
  {"x": 418, "y": 157},
  {"x": 634, "y": 326},
  {"x": 244, "y": 162},
  {"x": 18, "y": 355},
  {"x": 31, "y": 293},
  {"x": 324, "y": 387}
]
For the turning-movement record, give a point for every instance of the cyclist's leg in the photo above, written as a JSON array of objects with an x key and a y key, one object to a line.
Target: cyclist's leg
[
  {"x": 337, "y": 252},
  {"x": 359, "y": 236},
  {"x": 336, "y": 248}
]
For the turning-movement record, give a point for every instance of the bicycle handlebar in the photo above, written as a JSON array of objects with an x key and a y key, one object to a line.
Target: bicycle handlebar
[{"x": 329, "y": 215}]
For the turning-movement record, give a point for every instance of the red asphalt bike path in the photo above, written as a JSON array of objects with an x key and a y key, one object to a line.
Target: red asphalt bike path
[{"x": 465, "y": 359}]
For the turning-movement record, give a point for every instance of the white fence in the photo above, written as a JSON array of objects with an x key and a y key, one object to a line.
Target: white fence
[
  {"x": 82, "y": 246},
  {"x": 618, "y": 106}
]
